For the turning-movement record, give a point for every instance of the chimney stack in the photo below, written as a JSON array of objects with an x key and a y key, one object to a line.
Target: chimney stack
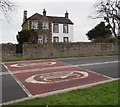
[
  {"x": 24, "y": 15},
  {"x": 44, "y": 12},
  {"x": 66, "y": 15}
]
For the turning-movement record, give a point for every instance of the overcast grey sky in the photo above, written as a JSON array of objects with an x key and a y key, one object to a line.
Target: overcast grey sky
[{"x": 79, "y": 10}]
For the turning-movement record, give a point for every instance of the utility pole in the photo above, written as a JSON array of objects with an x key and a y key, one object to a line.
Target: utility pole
[{"x": 119, "y": 22}]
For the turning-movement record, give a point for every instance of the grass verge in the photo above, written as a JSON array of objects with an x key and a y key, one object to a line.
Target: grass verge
[
  {"x": 103, "y": 94},
  {"x": 54, "y": 57}
]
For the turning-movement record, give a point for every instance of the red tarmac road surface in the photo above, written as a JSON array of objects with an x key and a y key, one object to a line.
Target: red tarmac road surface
[
  {"x": 25, "y": 65},
  {"x": 39, "y": 88},
  {"x": 39, "y": 82}
]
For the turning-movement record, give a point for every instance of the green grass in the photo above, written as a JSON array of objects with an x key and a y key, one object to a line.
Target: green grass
[
  {"x": 53, "y": 57},
  {"x": 103, "y": 94}
]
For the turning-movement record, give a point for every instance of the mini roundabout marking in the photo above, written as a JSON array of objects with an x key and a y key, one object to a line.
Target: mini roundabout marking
[
  {"x": 39, "y": 82},
  {"x": 55, "y": 77},
  {"x": 32, "y": 64}
]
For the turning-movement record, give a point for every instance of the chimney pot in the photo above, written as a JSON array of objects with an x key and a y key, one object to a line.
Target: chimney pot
[
  {"x": 44, "y": 12},
  {"x": 66, "y": 14},
  {"x": 24, "y": 15}
]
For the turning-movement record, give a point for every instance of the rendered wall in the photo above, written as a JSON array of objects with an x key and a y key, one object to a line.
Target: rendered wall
[{"x": 61, "y": 34}]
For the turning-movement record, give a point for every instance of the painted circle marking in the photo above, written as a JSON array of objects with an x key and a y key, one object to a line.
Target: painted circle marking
[
  {"x": 55, "y": 77},
  {"x": 32, "y": 64}
]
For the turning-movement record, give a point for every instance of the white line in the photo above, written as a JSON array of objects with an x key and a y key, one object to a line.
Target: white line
[
  {"x": 4, "y": 73},
  {"x": 68, "y": 66},
  {"x": 100, "y": 74},
  {"x": 98, "y": 63},
  {"x": 19, "y": 83},
  {"x": 37, "y": 60}
]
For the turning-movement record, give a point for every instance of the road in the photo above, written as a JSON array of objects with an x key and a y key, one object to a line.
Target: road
[
  {"x": 103, "y": 65},
  {"x": 106, "y": 65}
]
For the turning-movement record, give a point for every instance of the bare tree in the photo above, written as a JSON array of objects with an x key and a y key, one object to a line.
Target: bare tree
[
  {"x": 5, "y": 7},
  {"x": 109, "y": 10}
]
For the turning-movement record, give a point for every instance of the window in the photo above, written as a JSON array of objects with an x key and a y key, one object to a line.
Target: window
[
  {"x": 55, "y": 39},
  {"x": 65, "y": 39},
  {"x": 40, "y": 39},
  {"x": 45, "y": 39},
  {"x": 45, "y": 25},
  {"x": 65, "y": 28},
  {"x": 55, "y": 28},
  {"x": 34, "y": 25}
]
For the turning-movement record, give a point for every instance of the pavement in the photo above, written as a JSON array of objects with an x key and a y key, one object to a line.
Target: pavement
[{"x": 23, "y": 80}]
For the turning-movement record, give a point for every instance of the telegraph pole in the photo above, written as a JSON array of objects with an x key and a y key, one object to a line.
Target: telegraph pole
[{"x": 119, "y": 22}]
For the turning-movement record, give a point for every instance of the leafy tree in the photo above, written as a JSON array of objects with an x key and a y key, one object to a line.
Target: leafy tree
[
  {"x": 100, "y": 31},
  {"x": 109, "y": 10},
  {"x": 27, "y": 36}
]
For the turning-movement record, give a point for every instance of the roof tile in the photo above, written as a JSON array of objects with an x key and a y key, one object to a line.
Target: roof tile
[{"x": 54, "y": 19}]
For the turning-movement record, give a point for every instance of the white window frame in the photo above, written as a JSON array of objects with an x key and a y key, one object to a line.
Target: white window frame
[
  {"x": 66, "y": 39},
  {"x": 45, "y": 25},
  {"x": 40, "y": 39},
  {"x": 34, "y": 25},
  {"x": 55, "y": 39},
  {"x": 55, "y": 28},
  {"x": 65, "y": 28}
]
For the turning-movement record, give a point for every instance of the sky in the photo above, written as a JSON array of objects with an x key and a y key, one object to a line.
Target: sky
[{"x": 79, "y": 12}]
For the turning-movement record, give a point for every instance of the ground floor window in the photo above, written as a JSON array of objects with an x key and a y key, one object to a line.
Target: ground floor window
[
  {"x": 42, "y": 39},
  {"x": 55, "y": 39},
  {"x": 65, "y": 39},
  {"x": 45, "y": 39}
]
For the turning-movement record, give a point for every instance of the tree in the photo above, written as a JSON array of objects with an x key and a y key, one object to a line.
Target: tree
[
  {"x": 109, "y": 10},
  {"x": 5, "y": 7},
  {"x": 100, "y": 31},
  {"x": 27, "y": 36}
]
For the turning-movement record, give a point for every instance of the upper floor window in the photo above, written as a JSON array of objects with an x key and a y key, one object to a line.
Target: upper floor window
[
  {"x": 65, "y": 28},
  {"x": 45, "y": 25},
  {"x": 55, "y": 28},
  {"x": 34, "y": 25}
]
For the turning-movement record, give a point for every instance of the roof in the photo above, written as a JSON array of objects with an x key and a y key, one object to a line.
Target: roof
[
  {"x": 54, "y": 19},
  {"x": 61, "y": 20},
  {"x": 36, "y": 16}
]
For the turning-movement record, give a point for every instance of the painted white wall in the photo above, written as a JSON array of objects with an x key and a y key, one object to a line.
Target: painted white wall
[{"x": 61, "y": 34}]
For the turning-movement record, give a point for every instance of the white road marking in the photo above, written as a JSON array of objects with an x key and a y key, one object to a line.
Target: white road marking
[
  {"x": 68, "y": 66},
  {"x": 47, "y": 78},
  {"x": 19, "y": 83},
  {"x": 100, "y": 74},
  {"x": 4, "y": 73},
  {"x": 98, "y": 63},
  {"x": 32, "y": 64},
  {"x": 63, "y": 90}
]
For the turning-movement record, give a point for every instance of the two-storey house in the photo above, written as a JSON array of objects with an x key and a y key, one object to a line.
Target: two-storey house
[{"x": 49, "y": 28}]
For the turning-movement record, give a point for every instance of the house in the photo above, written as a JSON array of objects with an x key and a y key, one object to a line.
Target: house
[{"x": 49, "y": 28}]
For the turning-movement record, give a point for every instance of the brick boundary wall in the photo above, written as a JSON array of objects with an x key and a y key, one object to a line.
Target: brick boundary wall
[{"x": 57, "y": 49}]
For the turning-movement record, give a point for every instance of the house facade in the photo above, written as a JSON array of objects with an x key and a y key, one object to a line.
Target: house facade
[{"x": 49, "y": 28}]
